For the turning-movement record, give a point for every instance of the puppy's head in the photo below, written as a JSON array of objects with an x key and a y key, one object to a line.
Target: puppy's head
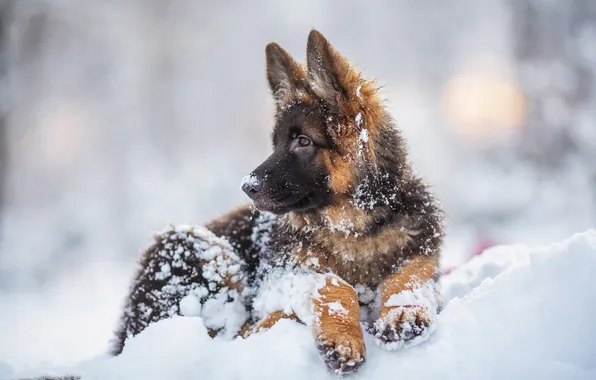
[{"x": 321, "y": 137}]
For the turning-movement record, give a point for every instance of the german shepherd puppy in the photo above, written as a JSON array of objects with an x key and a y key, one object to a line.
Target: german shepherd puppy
[{"x": 337, "y": 202}]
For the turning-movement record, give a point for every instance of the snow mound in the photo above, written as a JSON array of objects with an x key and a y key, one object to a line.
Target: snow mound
[{"x": 513, "y": 313}]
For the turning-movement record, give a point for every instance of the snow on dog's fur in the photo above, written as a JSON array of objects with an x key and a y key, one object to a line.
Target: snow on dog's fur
[{"x": 340, "y": 230}]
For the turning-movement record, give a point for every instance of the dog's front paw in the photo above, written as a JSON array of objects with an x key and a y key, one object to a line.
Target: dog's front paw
[
  {"x": 403, "y": 325},
  {"x": 343, "y": 353}
]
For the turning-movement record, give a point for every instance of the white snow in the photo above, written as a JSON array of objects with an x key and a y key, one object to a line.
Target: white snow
[
  {"x": 336, "y": 308},
  {"x": 362, "y": 137},
  {"x": 219, "y": 312},
  {"x": 190, "y": 306},
  {"x": 422, "y": 296},
  {"x": 290, "y": 293},
  {"x": 250, "y": 179},
  {"x": 365, "y": 294},
  {"x": 261, "y": 233},
  {"x": 513, "y": 313},
  {"x": 358, "y": 120}
]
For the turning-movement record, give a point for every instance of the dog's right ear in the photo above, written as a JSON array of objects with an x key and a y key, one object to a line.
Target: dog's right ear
[
  {"x": 329, "y": 72},
  {"x": 284, "y": 74}
]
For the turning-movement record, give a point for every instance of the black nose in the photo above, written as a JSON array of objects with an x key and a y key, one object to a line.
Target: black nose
[{"x": 252, "y": 184}]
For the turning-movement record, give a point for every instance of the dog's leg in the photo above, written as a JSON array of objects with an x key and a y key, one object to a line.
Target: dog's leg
[
  {"x": 409, "y": 303},
  {"x": 187, "y": 271},
  {"x": 337, "y": 330}
]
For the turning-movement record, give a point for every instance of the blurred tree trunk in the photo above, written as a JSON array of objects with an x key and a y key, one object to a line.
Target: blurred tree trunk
[
  {"x": 4, "y": 25},
  {"x": 555, "y": 46}
]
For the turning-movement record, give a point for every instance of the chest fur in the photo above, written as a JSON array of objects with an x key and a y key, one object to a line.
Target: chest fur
[{"x": 357, "y": 259}]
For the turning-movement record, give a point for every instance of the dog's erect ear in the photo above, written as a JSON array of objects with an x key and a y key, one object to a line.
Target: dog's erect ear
[
  {"x": 327, "y": 69},
  {"x": 284, "y": 74}
]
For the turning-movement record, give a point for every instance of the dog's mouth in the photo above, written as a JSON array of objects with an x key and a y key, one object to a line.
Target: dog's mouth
[{"x": 301, "y": 204}]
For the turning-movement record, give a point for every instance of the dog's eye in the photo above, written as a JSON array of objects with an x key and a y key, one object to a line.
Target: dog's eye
[{"x": 304, "y": 141}]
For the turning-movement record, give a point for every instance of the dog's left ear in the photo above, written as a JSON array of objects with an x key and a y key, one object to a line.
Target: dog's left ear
[
  {"x": 284, "y": 74},
  {"x": 328, "y": 70}
]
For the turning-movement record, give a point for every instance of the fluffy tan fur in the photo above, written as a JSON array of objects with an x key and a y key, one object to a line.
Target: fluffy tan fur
[{"x": 337, "y": 323}]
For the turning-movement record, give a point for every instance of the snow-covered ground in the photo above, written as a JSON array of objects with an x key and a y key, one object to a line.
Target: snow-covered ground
[{"x": 515, "y": 312}]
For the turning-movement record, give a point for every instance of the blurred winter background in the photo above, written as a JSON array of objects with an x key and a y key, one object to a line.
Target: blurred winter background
[{"x": 120, "y": 117}]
